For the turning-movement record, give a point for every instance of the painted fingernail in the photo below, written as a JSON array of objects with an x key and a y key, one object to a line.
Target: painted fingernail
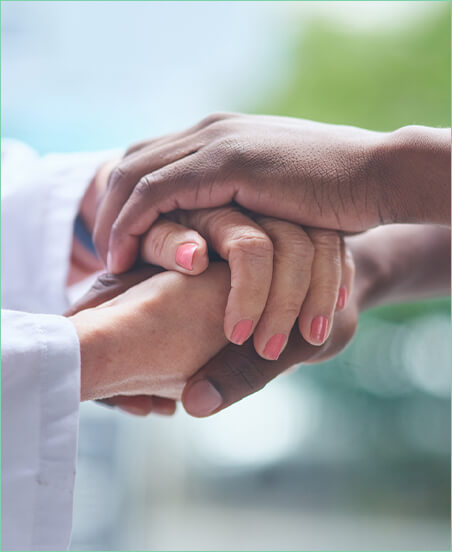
[
  {"x": 274, "y": 346},
  {"x": 185, "y": 254},
  {"x": 241, "y": 331},
  {"x": 319, "y": 327},
  {"x": 202, "y": 399},
  {"x": 341, "y": 299}
]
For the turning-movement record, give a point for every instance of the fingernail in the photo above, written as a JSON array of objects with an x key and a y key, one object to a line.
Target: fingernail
[
  {"x": 241, "y": 331},
  {"x": 185, "y": 254},
  {"x": 202, "y": 399},
  {"x": 274, "y": 346},
  {"x": 319, "y": 327},
  {"x": 342, "y": 298}
]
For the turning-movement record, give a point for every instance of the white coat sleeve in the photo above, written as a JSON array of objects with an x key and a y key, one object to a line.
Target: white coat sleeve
[
  {"x": 40, "y": 200},
  {"x": 40, "y": 410},
  {"x": 40, "y": 352}
]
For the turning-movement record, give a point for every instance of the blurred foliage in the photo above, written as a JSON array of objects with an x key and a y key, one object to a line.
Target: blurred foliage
[{"x": 374, "y": 79}]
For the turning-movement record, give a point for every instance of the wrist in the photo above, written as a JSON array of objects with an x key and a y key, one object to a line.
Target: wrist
[
  {"x": 94, "y": 359},
  {"x": 412, "y": 175}
]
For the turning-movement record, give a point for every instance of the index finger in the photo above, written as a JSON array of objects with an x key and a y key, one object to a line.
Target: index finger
[{"x": 249, "y": 251}]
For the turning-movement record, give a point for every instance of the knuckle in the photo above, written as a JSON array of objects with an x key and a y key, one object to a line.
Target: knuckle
[
  {"x": 220, "y": 215},
  {"x": 159, "y": 244},
  {"x": 257, "y": 245},
  {"x": 236, "y": 152},
  {"x": 117, "y": 176},
  {"x": 294, "y": 247},
  {"x": 291, "y": 243},
  {"x": 216, "y": 219},
  {"x": 304, "y": 250},
  {"x": 295, "y": 263},
  {"x": 326, "y": 239},
  {"x": 286, "y": 307},
  {"x": 243, "y": 374},
  {"x": 323, "y": 288},
  {"x": 144, "y": 186},
  {"x": 215, "y": 117}
]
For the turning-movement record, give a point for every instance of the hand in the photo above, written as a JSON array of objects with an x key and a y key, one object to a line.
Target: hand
[
  {"x": 279, "y": 272},
  {"x": 328, "y": 176},
  {"x": 389, "y": 268},
  {"x": 149, "y": 339},
  {"x": 393, "y": 263},
  {"x": 236, "y": 372},
  {"x": 105, "y": 288},
  {"x": 108, "y": 292}
]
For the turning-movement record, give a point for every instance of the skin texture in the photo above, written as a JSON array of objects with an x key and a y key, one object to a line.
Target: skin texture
[
  {"x": 328, "y": 176},
  {"x": 121, "y": 330},
  {"x": 395, "y": 263},
  {"x": 279, "y": 271},
  {"x": 163, "y": 316},
  {"x": 341, "y": 178},
  {"x": 333, "y": 176},
  {"x": 150, "y": 338}
]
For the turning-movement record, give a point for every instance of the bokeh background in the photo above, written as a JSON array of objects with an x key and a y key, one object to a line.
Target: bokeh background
[{"x": 353, "y": 454}]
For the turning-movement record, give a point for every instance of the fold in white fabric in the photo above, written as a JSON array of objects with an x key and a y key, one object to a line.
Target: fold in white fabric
[{"x": 40, "y": 352}]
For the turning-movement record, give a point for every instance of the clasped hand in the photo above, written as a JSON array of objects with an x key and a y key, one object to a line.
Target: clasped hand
[
  {"x": 285, "y": 279},
  {"x": 151, "y": 335}
]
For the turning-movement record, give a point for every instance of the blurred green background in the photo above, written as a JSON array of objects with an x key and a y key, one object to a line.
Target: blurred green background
[
  {"x": 353, "y": 454},
  {"x": 379, "y": 79}
]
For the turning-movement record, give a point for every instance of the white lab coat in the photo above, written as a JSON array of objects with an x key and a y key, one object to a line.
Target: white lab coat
[{"x": 40, "y": 352}]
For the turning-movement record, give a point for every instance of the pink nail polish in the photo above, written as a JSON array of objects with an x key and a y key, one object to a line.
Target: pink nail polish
[
  {"x": 274, "y": 346},
  {"x": 202, "y": 399},
  {"x": 341, "y": 299},
  {"x": 241, "y": 331},
  {"x": 185, "y": 254},
  {"x": 319, "y": 327}
]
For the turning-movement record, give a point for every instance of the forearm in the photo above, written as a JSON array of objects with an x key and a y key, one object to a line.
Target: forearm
[
  {"x": 401, "y": 263},
  {"x": 412, "y": 172}
]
